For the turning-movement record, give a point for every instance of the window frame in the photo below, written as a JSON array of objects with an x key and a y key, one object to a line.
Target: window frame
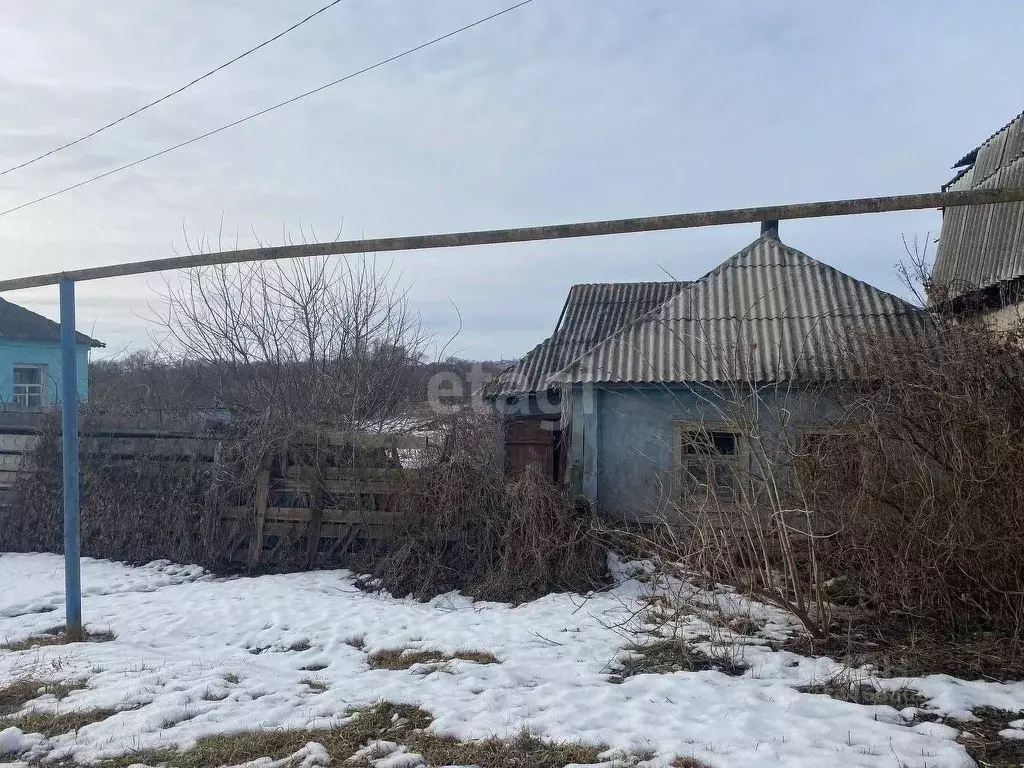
[
  {"x": 683, "y": 431},
  {"x": 29, "y": 395}
]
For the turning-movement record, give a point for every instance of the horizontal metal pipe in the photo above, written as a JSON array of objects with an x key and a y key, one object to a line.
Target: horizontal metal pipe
[{"x": 526, "y": 234}]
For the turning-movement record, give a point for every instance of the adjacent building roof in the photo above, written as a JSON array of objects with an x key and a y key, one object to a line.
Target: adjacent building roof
[
  {"x": 592, "y": 312},
  {"x": 983, "y": 245},
  {"x": 20, "y": 324},
  {"x": 769, "y": 313}
]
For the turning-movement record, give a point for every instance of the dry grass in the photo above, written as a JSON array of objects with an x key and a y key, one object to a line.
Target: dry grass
[
  {"x": 984, "y": 744},
  {"x": 895, "y": 648},
  {"x": 388, "y": 722},
  {"x": 55, "y": 637},
  {"x": 54, "y": 724},
  {"x": 14, "y": 695},
  {"x": 524, "y": 751},
  {"x": 404, "y": 658},
  {"x": 664, "y": 656},
  {"x": 843, "y": 690},
  {"x": 688, "y": 762},
  {"x": 316, "y": 686}
]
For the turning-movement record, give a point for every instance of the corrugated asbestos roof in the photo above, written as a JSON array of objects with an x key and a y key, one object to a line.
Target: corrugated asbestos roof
[
  {"x": 983, "y": 245},
  {"x": 20, "y": 324},
  {"x": 592, "y": 312},
  {"x": 769, "y": 313}
]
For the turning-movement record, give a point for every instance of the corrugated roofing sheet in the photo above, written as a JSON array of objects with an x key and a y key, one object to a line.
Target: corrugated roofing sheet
[
  {"x": 20, "y": 324},
  {"x": 983, "y": 245},
  {"x": 592, "y": 312},
  {"x": 769, "y": 313}
]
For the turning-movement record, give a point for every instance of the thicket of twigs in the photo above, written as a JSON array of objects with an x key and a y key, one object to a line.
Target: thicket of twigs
[
  {"x": 924, "y": 492},
  {"x": 470, "y": 527},
  {"x": 134, "y": 508},
  {"x": 463, "y": 524},
  {"x": 903, "y": 506}
]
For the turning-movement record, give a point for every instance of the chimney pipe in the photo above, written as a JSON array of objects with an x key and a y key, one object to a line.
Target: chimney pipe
[{"x": 770, "y": 228}]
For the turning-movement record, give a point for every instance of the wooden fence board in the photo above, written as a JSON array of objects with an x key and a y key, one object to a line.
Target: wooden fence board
[
  {"x": 301, "y": 515},
  {"x": 150, "y": 447},
  {"x": 325, "y": 531},
  {"x": 11, "y": 462},
  {"x": 260, "y": 504},
  {"x": 18, "y": 443},
  {"x": 377, "y": 441}
]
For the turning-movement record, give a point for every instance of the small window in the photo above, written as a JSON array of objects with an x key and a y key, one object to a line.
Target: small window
[
  {"x": 710, "y": 466},
  {"x": 28, "y": 386}
]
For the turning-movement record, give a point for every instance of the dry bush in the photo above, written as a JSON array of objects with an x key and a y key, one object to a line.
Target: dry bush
[
  {"x": 134, "y": 508},
  {"x": 499, "y": 538},
  {"x": 924, "y": 492}
]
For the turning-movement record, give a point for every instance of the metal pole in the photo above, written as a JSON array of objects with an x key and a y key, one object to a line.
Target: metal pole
[
  {"x": 69, "y": 452},
  {"x": 855, "y": 206}
]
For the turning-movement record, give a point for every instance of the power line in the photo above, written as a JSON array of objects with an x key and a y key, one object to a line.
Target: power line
[
  {"x": 776, "y": 213},
  {"x": 262, "y": 112},
  {"x": 175, "y": 92}
]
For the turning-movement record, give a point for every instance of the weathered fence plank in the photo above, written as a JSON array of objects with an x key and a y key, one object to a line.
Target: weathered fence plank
[{"x": 260, "y": 501}]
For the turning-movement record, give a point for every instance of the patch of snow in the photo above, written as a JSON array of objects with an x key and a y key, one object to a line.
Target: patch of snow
[
  {"x": 14, "y": 742},
  {"x": 1012, "y": 733},
  {"x": 388, "y": 754},
  {"x": 181, "y": 667}
]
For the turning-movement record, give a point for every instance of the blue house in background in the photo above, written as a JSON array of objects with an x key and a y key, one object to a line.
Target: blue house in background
[
  {"x": 654, "y": 398},
  {"x": 30, "y": 364}
]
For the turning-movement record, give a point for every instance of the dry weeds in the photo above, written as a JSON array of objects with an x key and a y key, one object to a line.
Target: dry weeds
[
  {"x": 56, "y": 636},
  {"x": 404, "y": 658},
  {"x": 386, "y": 722}
]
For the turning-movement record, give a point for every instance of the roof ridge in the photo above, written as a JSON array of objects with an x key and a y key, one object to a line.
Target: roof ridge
[
  {"x": 965, "y": 161},
  {"x": 975, "y": 183},
  {"x": 811, "y": 262},
  {"x": 30, "y": 324},
  {"x": 901, "y": 307}
]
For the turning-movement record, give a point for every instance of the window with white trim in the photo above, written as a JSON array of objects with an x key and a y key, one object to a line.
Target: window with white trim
[
  {"x": 710, "y": 464},
  {"x": 29, "y": 390}
]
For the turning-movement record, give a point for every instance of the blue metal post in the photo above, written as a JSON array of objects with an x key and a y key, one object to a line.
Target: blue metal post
[{"x": 69, "y": 448}]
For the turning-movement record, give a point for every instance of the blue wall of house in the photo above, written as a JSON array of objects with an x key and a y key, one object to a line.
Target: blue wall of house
[
  {"x": 47, "y": 355},
  {"x": 624, "y": 439}
]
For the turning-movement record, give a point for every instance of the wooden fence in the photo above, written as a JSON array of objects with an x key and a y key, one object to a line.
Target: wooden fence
[{"x": 296, "y": 510}]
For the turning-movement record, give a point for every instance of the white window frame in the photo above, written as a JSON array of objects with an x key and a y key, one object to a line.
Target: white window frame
[
  {"x": 29, "y": 395},
  {"x": 738, "y": 461}
]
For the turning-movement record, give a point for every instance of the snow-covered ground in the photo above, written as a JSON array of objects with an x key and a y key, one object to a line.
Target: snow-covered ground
[{"x": 196, "y": 655}]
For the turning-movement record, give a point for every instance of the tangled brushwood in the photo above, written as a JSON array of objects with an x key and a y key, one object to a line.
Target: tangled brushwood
[
  {"x": 456, "y": 523},
  {"x": 136, "y": 506},
  {"x": 923, "y": 487},
  {"x": 470, "y": 527}
]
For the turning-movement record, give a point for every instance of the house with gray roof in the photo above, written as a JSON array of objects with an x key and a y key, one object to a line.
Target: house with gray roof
[
  {"x": 979, "y": 266},
  {"x": 648, "y": 417},
  {"x": 30, "y": 361}
]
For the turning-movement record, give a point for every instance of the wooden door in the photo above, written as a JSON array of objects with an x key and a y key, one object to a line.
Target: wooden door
[{"x": 532, "y": 442}]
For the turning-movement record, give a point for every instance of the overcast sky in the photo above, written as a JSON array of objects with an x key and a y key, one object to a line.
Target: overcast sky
[{"x": 564, "y": 110}]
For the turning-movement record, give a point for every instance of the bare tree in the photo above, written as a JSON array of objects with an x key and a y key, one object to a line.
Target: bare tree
[{"x": 319, "y": 342}]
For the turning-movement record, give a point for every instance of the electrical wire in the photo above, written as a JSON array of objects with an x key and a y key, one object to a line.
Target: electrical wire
[
  {"x": 262, "y": 112},
  {"x": 167, "y": 96}
]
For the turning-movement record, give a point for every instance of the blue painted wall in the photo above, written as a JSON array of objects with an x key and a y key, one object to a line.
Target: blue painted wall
[
  {"x": 624, "y": 439},
  {"x": 44, "y": 353}
]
